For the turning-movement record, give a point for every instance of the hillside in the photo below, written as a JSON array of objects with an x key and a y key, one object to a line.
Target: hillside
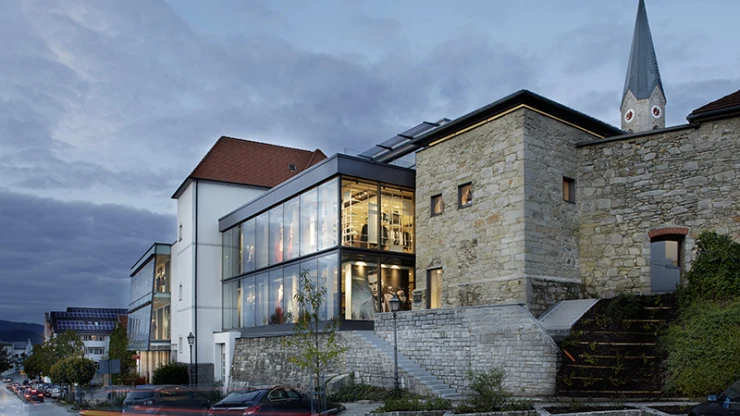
[{"x": 21, "y": 331}]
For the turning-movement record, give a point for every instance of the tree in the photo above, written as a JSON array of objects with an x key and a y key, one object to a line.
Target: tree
[
  {"x": 5, "y": 360},
  {"x": 67, "y": 344},
  {"x": 80, "y": 370},
  {"x": 38, "y": 363},
  {"x": 118, "y": 350},
  {"x": 308, "y": 331}
]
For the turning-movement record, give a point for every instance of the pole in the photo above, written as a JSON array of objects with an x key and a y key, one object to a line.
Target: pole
[
  {"x": 395, "y": 353},
  {"x": 190, "y": 373}
]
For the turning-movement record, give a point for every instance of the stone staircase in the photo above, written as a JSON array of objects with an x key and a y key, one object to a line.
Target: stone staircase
[{"x": 411, "y": 368}]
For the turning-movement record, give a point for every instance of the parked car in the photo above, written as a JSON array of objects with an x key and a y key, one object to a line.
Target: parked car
[
  {"x": 165, "y": 400},
  {"x": 33, "y": 395},
  {"x": 7, "y": 380},
  {"x": 271, "y": 401},
  {"x": 728, "y": 403}
]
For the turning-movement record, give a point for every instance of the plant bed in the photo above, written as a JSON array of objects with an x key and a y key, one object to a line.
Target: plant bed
[
  {"x": 676, "y": 409},
  {"x": 560, "y": 410}
]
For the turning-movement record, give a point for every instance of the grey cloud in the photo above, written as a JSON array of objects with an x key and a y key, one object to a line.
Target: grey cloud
[{"x": 56, "y": 254}]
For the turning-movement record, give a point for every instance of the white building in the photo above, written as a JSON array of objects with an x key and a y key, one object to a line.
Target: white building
[{"x": 230, "y": 175}]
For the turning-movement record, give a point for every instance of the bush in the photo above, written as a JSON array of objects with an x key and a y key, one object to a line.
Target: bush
[
  {"x": 703, "y": 346},
  {"x": 355, "y": 392},
  {"x": 407, "y": 404},
  {"x": 171, "y": 373},
  {"x": 488, "y": 394}
]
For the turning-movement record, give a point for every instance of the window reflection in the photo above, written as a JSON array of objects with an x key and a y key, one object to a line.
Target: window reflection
[
  {"x": 397, "y": 217},
  {"x": 276, "y": 235},
  {"x": 262, "y": 301},
  {"x": 309, "y": 222},
  {"x": 262, "y": 240},
  {"x": 291, "y": 288},
  {"x": 248, "y": 237},
  {"x": 329, "y": 214},
  {"x": 360, "y": 280},
  {"x": 250, "y": 298},
  {"x": 277, "y": 311},
  {"x": 329, "y": 281},
  {"x": 290, "y": 230}
]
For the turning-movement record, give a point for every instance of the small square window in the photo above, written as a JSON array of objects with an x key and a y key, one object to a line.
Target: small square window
[
  {"x": 569, "y": 189},
  {"x": 438, "y": 205},
  {"x": 292, "y": 167},
  {"x": 465, "y": 195}
]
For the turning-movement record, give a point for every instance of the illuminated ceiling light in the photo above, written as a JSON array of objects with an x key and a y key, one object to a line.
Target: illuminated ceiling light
[
  {"x": 361, "y": 263},
  {"x": 395, "y": 267}
]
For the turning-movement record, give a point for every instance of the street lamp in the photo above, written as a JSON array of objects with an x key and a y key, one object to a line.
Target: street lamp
[
  {"x": 191, "y": 340},
  {"x": 395, "y": 304}
]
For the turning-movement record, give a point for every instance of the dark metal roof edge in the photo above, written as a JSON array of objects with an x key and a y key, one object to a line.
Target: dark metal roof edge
[
  {"x": 153, "y": 250},
  {"x": 713, "y": 114},
  {"x": 635, "y": 135},
  {"x": 510, "y": 101}
]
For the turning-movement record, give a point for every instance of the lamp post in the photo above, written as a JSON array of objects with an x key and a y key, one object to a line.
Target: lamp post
[
  {"x": 395, "y": 304},
  {"x": 191, "y": 340}
]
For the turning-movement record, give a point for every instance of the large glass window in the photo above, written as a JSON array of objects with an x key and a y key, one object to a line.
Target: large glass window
[
  {"x": 276, "y": 235},
  {"x": 248, "y": 237},
  {"x": 328, "y": 214},
  {"x": 434, "y": 288},
  {"x": 360, "y": 284},
  {"x": 231, "y": 248},
  {"x": 263, "y": 300},
  {"x": 162, "y": 275},
  {"x": 277, "y": 310},
  {"x": 397, "y": 277},
  {"x": 360, "y": 216},
  {"x": 160, "y": 329},
  {"x": 250, "y": 299},
  {"x": 665, "y": 272},
  {"x": 291, "y": 228},
  {"x": 309, "y": 222},
  {"x": 291, "y": 288},
  {"x": 232, "y": 304},
  {"x": 262, "y": 247},
  {"x": 329, "y": 282},
  {"x": 397, "y": 219}
]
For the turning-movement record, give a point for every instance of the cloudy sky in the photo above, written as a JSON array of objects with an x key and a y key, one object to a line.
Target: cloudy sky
[{"x": 106, "y": 106}]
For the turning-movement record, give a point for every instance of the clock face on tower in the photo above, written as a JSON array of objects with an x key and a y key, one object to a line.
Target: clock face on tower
[
  {"x": 629, "y": 115},
  {"x": 656, "y": 112}
]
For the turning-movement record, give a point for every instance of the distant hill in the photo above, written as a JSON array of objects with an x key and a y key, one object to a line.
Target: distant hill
[{"x": 21, "y": 331}]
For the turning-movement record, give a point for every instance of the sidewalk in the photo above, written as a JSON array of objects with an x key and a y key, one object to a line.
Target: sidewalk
[{"x": 360, "y": 408}]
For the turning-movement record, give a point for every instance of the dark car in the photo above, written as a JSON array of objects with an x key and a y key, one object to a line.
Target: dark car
[
  {"x": 271, "y": 401},
  {"x": 728, "y": 403},
  {"x": 164, "y": 400},
  {"x": 33, "y": 395}
]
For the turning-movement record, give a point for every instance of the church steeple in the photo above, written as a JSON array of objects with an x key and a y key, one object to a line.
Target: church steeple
[{"x": 643, "y": 101}]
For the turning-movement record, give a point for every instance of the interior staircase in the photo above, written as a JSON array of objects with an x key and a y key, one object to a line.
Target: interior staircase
[{"x": 411, "y": 368}]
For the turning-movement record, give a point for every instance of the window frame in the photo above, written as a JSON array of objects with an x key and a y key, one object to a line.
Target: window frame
[
  {"x": 664, "y": 238},
  {"x": 570, "y": 184},
  {"x": 460, "y": 190},
  {"x": 437, "y": 197},
  {"x": 429, "y": 287}
]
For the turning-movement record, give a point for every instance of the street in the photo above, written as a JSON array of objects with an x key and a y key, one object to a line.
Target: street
[{"x": 12, "y": 405}]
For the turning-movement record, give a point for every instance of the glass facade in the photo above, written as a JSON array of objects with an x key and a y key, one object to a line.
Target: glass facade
[
  {"x": 297, "y": 237},
  {"x": 149, "y": 307}
]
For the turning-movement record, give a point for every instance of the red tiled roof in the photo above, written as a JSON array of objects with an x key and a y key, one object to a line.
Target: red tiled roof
[
  {"x": 252, "y": 163},
  {"x": 726, "y": 102}
]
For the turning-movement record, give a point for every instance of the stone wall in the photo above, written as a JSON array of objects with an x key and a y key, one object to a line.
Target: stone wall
[
  {"x": 551, "y": 228},
  {"x": 265, "y": 361},
  {"x": 449, "y": 342},
  {"x": 682, "y": 178},
  {"x": 480, "y": 248}
]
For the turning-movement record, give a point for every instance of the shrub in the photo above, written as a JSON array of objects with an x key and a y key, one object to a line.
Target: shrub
[
  {"x": 703, "y": 345},
  {"x": 413, "y": 404},
  {"x": 171, "y": 373},
  {"x": 354, "y": 392},
  {"x": 488, "y": 394}
]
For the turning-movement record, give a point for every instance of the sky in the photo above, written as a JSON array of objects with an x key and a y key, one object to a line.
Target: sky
[{"x": 106, "y": 106}]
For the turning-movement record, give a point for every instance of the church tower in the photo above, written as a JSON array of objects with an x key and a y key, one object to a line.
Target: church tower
[{"x": 643, "y": 102}]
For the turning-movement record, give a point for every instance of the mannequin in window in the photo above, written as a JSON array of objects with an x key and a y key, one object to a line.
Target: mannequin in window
[{"x": 363, "y": 302}]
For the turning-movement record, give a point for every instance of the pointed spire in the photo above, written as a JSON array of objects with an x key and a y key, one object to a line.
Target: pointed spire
[{"x": 642, "y": 73}]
